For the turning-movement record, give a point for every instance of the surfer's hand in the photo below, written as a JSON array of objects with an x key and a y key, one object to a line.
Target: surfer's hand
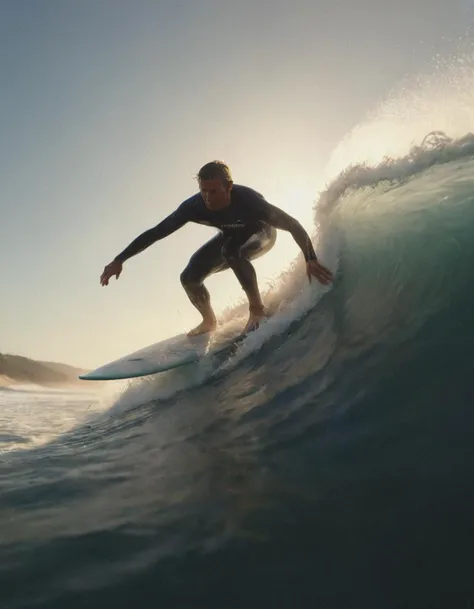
[
  {"x": 114, "y": 268},
  {"x": 315, "y": 269}
]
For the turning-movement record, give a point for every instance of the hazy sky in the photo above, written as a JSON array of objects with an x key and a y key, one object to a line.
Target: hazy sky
[{"x": 109, "y": 107}]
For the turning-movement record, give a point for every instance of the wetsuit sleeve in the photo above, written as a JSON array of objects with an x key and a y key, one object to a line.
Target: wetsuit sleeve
[
  {"x": 279, "y": 219},
  {"x": 167, "y": 226}
]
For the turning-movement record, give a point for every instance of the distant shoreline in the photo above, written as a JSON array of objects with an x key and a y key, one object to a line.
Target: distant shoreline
[{"x": 19, "y": 370}]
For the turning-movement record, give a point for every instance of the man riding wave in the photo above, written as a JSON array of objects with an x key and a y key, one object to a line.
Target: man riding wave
[{"x": 247, "y": 226}]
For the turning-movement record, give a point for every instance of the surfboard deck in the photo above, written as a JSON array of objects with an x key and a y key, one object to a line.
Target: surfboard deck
[{"x": 167, "y": 354}]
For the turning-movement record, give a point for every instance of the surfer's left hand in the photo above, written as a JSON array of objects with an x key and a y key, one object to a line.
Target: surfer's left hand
[{"x": 315, "y": 269}]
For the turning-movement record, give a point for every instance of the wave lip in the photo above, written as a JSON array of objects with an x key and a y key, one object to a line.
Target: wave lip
[{"x": 436, "y": 148}]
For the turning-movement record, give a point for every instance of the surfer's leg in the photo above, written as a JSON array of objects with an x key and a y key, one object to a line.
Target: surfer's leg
[
  {"x": 238, "y": 255},
  {"x": 207, "y": 260}
]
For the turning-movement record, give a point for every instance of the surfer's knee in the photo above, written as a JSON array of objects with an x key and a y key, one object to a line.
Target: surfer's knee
[{"x": 188, "y": 277}]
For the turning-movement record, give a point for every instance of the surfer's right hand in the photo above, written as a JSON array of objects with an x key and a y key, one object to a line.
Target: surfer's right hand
[{"x": 114, "y": 268}]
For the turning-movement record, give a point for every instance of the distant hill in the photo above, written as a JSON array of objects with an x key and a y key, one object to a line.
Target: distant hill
[{"x": 15, "y": 369}]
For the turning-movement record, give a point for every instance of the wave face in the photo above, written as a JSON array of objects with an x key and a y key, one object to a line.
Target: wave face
[{"x": 328, "y": 464}]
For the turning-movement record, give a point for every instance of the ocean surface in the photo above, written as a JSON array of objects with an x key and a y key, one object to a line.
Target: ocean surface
[{"x": 329, "y": 463}]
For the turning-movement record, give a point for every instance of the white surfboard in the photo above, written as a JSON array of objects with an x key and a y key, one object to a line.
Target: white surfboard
[{"x": 167, "y": 354}]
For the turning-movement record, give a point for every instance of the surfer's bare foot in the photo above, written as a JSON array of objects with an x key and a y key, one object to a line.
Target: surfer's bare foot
[
  {"x": 207, "y": 325},
  {"x": 254, "y": 321}
]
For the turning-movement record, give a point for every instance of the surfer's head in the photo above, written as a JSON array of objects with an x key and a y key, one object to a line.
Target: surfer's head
[{"x": 215, "y": 184}]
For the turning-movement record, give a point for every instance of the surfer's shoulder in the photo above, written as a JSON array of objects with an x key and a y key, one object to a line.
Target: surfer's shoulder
[
  {"x": 190, "y": 206},
  {"x": 247, "y": 193}
]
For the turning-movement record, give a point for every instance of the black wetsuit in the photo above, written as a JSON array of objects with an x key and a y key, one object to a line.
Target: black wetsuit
[{"x": 247, "y": 230}]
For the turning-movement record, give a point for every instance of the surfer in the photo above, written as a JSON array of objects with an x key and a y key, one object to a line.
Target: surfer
[{"x": 247, "y": 226}]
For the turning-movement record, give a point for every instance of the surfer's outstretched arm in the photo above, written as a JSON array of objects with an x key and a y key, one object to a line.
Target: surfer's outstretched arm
[
  {"x": 167, "y": 226},
  {"x": 280, "y": 219}
]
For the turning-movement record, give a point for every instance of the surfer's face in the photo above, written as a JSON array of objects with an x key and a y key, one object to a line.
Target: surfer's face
[{"x": 215, "y": 193}]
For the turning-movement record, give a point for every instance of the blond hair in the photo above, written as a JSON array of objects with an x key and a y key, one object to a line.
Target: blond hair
[{"x": 215, "y": 170}]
